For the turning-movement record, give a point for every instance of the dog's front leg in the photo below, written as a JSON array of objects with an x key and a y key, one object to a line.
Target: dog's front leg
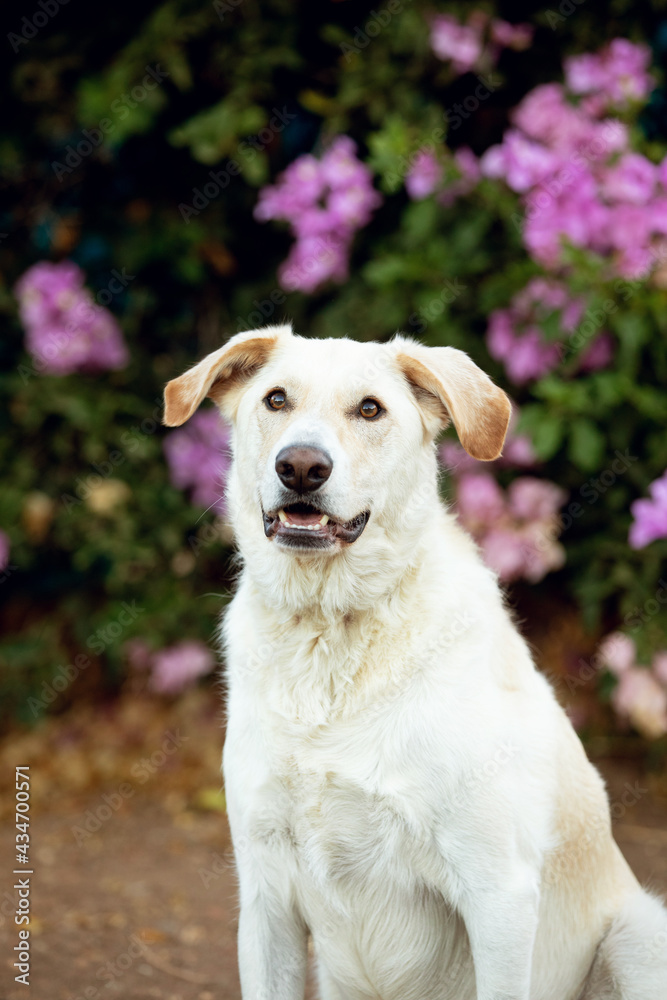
[
  {"x": 272, "y": 937},
  {"x": 501, "y": 920},
  {"x": 272, "y": 952}
]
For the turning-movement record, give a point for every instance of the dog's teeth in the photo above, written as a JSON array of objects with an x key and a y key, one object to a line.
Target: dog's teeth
[{"x": 302, "y": 527}]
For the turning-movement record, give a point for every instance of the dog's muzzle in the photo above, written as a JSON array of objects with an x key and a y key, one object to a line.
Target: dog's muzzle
[{"x": 301, "y": 525}]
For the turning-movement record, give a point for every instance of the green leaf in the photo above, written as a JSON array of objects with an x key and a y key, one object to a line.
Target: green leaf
[
  {"x": 216, "y": 132},
  {"x": 546, "y": 430},
  {"x": 586, "y": 446}
]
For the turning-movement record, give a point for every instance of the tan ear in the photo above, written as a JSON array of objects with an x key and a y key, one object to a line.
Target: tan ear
[
  {"x": 219, "y": 372},
  {"x": 449, "y": 386}
]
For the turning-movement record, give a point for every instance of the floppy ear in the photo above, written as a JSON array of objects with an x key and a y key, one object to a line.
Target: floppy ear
[
  {"x": 449, "y": 386},
  {"x": 219, "y": 372}
]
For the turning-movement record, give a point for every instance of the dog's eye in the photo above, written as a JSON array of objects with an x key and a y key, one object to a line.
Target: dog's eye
[
  {"x": 276, "y": 399},
  {"x": 369, "y": 408}
]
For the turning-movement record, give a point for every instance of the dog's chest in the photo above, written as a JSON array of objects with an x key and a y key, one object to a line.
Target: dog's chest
[
  {"x": 341, "y": 830},
  {"x": 343, "y": 813},
  {"x": 362, "y": 863}
]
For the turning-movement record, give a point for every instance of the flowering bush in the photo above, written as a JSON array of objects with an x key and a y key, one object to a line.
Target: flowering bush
[
  {"x": 198, "y": 458},
  {"x": 650, "y": 516},
  {"x": 173, "y": 669},
  {"x": 65, "y": 330},
  {"x": 426, "y": 175},
  {"x": 325, "y": 201},
  {"x": 581, "y": 182},
  {"x": 465, "y": 45},
  {"x": 616, "y": 76},
  {"x": 515, "y": 335},
  {"x": 516, "y": 530},
  {"x": 498, "y": 187},
  {"x": 640, "y": 694}
]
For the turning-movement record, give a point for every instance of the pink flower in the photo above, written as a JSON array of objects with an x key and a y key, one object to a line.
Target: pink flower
[
  {"x": 619, "y": 72},
  {"x": 540, "y": 114},
  {"x": 514, "y": 335},
  {"x": 599, "y": 353},
  {"x": 584, "y": 73},
  {"x": 520, "y": 162},
  {"x": 314, "y": 260},
  {"x": 641, "y": 698},
  {"x": 531, "y": 357},
  {"x": 4, "y": 551},
  {"x": 574, "y": 215},
  {"x": 456, "y": 459},
  {"x": 479, "y": 499},
  {"x": 528, "y": 551},
  {"x": 640, "y": 694},
  {"x": 47, "y": 289},
  {"x": 500, "y": 334},
  {"x": 503, "y": 552},
  {"x": 516, "y": 341},
  {"x": 618, "y": 652},
  {"x": 175, "y": 668},
  {"x": 659, "y": 666},
  {"x": 468, "y": 164},
  {"x": 66, "y": 331},
  {"x": 299, "y": 187},
  {"x": 512, "y": 36},
  {"x": 518, "y": 451},
  {"x": 457, "y": 43},
  {"x": 535, "y": 499},
  {"x": 545, "y": 294},
  {"x": 545, "y": 116},
  {"x": 424, "y": 175},
  {"x": 470, "y": 172},
  {"x": 198, "y": 458},
  {"x": 635, "y": 263},
  {"x": 463, "y": 45},
  {"x": 650, "y": 516},
  {"x": 516, "y": 531},
  {"x": 541, "y": 552},
  {"x": 557, "y": 155},
  {"x": 633, "y": 179},
  {"x": 325, "y": 201},
  {"x": 628, "y": 226}
]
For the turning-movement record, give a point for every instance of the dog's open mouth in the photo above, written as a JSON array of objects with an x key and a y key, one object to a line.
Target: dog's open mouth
[{"x": 301, "y": 525}]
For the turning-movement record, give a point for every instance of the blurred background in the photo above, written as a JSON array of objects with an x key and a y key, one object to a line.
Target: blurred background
[{"x": 488, "y": 176}]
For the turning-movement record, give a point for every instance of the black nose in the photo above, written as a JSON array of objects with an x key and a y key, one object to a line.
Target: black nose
[{"x": 303, "y": 468}]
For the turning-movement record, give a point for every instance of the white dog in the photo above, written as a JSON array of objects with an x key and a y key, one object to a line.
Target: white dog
[{"x": 402, "y": 784}]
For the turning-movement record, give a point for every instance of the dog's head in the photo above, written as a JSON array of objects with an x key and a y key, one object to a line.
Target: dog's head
[{"x": 333, "y": 438}]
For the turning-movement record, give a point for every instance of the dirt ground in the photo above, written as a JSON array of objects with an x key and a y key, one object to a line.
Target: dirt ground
[{"x": 133, "y": 892}]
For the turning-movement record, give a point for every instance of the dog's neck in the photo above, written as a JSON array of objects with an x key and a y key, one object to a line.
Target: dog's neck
[
  {"x": 325, "y": 628},
  {"x": 359, "y": 579},
  {"x": 326, "y": 588},
  {"x": 323, "y": 649}
]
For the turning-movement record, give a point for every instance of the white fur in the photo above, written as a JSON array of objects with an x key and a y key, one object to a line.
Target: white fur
[{"x": 401, "y": 782}]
